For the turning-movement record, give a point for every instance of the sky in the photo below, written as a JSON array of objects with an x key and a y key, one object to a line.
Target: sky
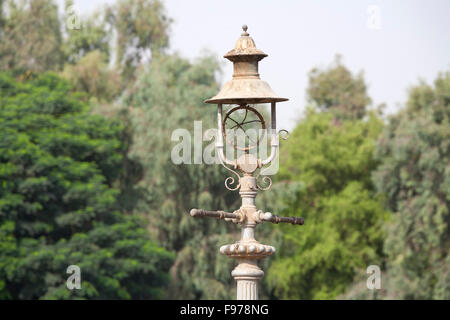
[{"x": 395, "y": 43}]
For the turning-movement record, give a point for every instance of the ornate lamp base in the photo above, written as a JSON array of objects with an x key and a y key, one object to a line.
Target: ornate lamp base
[
  {"x": 247, "y": 251},
  {"x": 247, "y": 273}
]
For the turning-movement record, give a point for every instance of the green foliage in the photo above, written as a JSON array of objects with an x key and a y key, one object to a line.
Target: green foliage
[
  {"x": 92, "y": 35},
  {"x": 142, "y": 29},
  {"x": 92, "y": 76},
  {"x": 30, "y": 36},
  {"x": 2, "y": 15},
  {"x": 337, "y": 90},
  {"x": 415, "y": 176},
  {"x": 58, "y": 205},
  {"x": 331, "y": 163}
]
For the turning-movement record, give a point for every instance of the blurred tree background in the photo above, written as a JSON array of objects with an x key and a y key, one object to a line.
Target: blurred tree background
[
  {"x": 87, "y": 116},
  {"x": 414, "y": 176},
  {"x": 59, "y": 167}
]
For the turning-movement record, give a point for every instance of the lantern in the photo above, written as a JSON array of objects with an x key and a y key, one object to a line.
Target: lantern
[{"x": 246, "y": 93}]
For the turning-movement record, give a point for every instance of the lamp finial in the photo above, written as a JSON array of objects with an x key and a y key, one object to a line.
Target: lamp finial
[{"x": 245, "y": 33}]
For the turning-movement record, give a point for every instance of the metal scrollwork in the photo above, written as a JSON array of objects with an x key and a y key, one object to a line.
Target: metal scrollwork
[
  {"x": 266, "y": 180},
  {"x": 230, "y": 180},
  {"x": 286, "y": 134}
]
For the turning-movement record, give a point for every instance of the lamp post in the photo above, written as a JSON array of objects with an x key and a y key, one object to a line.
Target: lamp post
[{"x": 246, "y": 88}]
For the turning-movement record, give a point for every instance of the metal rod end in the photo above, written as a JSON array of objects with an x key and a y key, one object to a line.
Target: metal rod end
[{"x": 194, "y": 212}]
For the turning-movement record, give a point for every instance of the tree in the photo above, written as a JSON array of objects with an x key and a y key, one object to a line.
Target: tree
[
  {"x": 325, "y": 177},
  {"x": 59, "y": 165},
  {"x": 336, "y": 90},
  {"x": 30, "y": 38},
  {"x": 142, "y": 32},
  {"x": 331, "y": 163},
  {"x": 93, "y": 34},
  {"x": 2, "y": 16},
  {"x": 415, "y": 177},
  {"x": 92, "y": 76}
]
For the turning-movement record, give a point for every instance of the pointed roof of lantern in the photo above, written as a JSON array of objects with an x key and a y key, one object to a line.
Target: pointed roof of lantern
[{"x": 246, "y": 87}]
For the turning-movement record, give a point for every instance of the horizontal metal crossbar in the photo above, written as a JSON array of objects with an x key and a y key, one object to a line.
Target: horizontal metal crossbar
[
  {"x": 213, "y": 214},
  {"x": 292, "y": 220}
]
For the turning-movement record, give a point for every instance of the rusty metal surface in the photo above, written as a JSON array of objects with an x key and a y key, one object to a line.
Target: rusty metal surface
[
  {"x": 244, "y": 46},
  {"x": 213, "y": 214},
  {"x": 246, "y": 85},
  {"x": 292, "y": 220}
]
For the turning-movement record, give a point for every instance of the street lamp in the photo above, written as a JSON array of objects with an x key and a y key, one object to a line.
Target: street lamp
[{"x": 244, "y": 89}]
